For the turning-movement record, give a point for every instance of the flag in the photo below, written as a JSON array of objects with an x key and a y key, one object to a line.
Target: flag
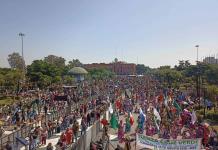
[
  {"x": 193, "y": 117},
  {"x": 118, "y": 104},
  {"x": 111, "y": 109},
  {"x": 131, "y": 119},
  {"x": 156, "y": 124},
  {"x": 176, "y": 105},
  {"x": 157, "y": 115},
  {"x": 104, "y": 122},
  {"x": 140, "y": 111},
  {"x": 142, "y": 115},
  {"x": 169, "y": 99},
  {"x": 166, "y": 101},
  {"x": 123, "y": 96},
  {"x": 114, "y": 122}
]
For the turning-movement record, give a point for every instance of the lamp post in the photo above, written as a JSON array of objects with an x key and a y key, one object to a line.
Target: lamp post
[
  {"x": 205, "y": 101},
  {"x": 197, "y": 46},
  {"x": 22, "y": 35},
  {"x": 198, "y": 78}
]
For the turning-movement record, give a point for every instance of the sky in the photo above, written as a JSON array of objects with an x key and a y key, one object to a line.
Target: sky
[{"x": 150, "y": 32}]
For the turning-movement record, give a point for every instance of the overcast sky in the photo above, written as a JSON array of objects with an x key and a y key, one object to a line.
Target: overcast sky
[{"x": 152, "y": 32}]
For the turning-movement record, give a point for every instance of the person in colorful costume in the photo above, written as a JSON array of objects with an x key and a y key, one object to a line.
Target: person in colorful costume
[
  {"x": 121, "y": 131},
  {"x": 141, "y": 121},
  {"x": 128, "y": 125}
]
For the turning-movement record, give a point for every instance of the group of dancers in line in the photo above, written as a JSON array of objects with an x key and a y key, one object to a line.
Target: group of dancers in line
[{"x": 162, "y": 113}]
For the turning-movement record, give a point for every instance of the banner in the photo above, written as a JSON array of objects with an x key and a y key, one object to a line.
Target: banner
[{"x": 164, "y": 144}]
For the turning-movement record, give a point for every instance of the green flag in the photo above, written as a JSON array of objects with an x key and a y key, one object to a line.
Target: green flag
[
  {"x": 176, "y": 105},
  {"x": 113, "y": 122}
]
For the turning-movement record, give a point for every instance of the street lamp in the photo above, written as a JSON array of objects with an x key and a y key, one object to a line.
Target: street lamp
[
  {"x": 197, "y": 46},
  {"x": 198, "y": 78},
  {"x": 22, "y": 35},
  {"x": 205, "y": 90}
]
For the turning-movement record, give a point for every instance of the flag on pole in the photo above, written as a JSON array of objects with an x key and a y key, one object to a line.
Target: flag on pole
[
  {"x": 104, "y": 122},
  {"x": 131, "y": 119},
  {"x": 156, "y": 124},
  {"x": 166, "y": 101},
  {"x": 157, "y": 115},
  {"x": 176, "y": 105},
  {"x": 142, "y": 115},
  {"x": 114, "y": 122},
  {"x": 193, "y": 117},
  {"x": 111, "y": 109}
]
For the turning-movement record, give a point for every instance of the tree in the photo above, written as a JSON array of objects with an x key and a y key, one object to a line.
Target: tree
[
  {"x": 164, "y": 67},
  {"x": 10, "y": 77},
  {"x": 55, "y": 60},
  {"x": 183, "y": 64},
  {"x": 115, "y": 60},
  {"x": 100, "y": 74},
  {"x": 212, "y": 74},
  {"x": 142, "y": 69},
  {"x": 74, "y": 63},
  {"x": 67, "y": 79},
  {"x": 16, "y": 61},
  {"x": 168, "y": 75},
  {"x": 44, "y": 73},
  {"x": 187, "y": 64}
]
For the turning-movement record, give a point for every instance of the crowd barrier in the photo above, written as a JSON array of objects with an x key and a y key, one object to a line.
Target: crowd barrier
[
  {"x": 83, "y": 143},
  {"x": 24, "y": 131}
]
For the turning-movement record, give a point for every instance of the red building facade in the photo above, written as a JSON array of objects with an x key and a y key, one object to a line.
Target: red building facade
[{"x": 118, "y": 68}]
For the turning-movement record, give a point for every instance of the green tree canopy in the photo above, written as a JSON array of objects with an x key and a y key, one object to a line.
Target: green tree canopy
[
  {"x": 141, "y": 69},
  {"x": 100, "y": 73},
  {"x": 55, "y": 60},
  {"x": 16, "y": 61},
  {"x": 74, "y": 63},
  {"x": 44, "y": 73},
  {"x": 10, "y": 77}
]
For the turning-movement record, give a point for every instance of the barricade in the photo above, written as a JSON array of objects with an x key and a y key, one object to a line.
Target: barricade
[
  {"x": 83, "y": 143},
  {"x": 24, "y": 132}
]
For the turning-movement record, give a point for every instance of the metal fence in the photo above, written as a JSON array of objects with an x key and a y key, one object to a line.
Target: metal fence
[{"x": 24, "y": 131}]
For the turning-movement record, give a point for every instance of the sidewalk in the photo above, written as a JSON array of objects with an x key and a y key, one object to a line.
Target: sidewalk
[{"x": 54, "y": 139}]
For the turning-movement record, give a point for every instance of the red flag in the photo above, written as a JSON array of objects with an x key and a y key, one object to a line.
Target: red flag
[
  {"x": 104, "y": 122},
  {"x": 131, "y": 119}
]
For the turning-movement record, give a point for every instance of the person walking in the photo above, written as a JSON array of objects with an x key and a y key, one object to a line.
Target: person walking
[
  {"x": 83, "y": 126},
  {"x": 75, "y": 130},
  {"x": 88, "y": 117},
  {"x": 44, "y": 134}
]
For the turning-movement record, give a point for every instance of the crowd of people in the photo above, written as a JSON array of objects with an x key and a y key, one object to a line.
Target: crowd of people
[
  {"x": 163, "y": 112},
  {"x": 66, "y": 105}
]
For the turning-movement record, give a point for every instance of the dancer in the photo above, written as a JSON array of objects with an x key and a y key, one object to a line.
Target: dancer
[{"x": 121, "y": 131}]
